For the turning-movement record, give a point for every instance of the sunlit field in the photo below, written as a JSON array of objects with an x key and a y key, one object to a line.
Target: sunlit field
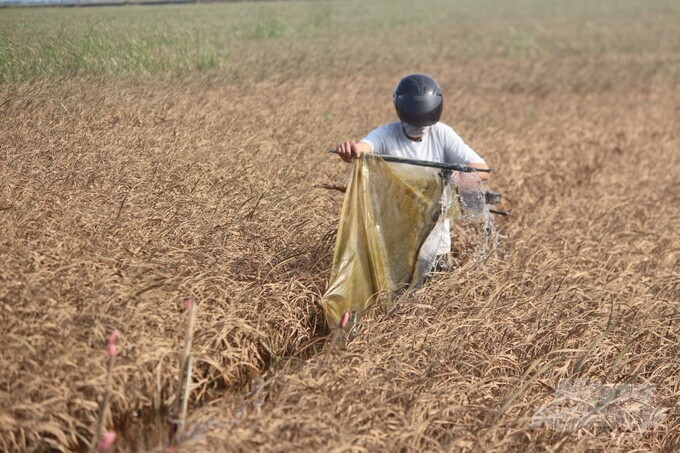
[{"x": 154, "y": 154}]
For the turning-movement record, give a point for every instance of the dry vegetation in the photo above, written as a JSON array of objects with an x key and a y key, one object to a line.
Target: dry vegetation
[{"x": 122, "y": 193}]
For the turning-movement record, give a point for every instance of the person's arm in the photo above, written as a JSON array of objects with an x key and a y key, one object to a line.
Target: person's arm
[
  {"x": 349, "y": 150},
  {"x": 484, "y": 176},
  {"x": 457, "y": 151}
]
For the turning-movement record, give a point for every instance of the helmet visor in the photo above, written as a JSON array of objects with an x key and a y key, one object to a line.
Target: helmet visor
[{"x": 418, "y": 104}]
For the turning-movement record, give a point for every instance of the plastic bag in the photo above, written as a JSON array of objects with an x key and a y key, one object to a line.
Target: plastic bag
[{"x": 388, "y": 213}]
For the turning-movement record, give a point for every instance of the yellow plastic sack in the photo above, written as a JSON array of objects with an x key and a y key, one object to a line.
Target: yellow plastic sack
[{"x": 388, "y": 212}]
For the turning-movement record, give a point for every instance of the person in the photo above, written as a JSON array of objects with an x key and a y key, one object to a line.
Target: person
[{"x": 418, "y": 134}]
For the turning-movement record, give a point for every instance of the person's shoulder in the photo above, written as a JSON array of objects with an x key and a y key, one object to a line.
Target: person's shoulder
[
  {"x": 445, "y": 132},
  {"x": 380, "y": 137},
  {"x": 385, "y": 130},
  {"x": 391, "y": 127},
  {"x": 443, "y": 128}
]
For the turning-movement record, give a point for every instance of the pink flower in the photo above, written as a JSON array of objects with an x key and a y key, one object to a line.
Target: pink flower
[
  {"x": 345, "y": 320},
  {"x": 107, "y": 440},
  {"x": 190, "y": 304},
  {"x": 111, "y": 344}
]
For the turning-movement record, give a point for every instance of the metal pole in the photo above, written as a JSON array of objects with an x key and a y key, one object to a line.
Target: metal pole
[{"x": 424, "y": 163}]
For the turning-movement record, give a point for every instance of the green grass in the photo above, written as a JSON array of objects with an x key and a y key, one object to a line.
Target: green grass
[{"x": 273, "y": 39}]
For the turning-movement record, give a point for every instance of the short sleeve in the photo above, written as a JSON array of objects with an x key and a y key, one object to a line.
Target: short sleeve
[
  {"x": 376, "y": 139},
  {"x": 456, "y": 151}
]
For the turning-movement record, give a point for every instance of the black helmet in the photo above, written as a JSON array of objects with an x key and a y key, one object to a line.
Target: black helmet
[{"x": 418, "y": 100}]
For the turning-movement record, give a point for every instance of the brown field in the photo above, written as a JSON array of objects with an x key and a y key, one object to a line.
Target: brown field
[{"x": 124, "y": 194}]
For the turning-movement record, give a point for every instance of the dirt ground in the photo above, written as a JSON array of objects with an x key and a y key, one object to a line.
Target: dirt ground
[{"x": 122, "y": 197}]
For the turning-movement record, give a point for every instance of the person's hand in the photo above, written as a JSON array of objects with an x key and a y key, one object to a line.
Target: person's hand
[
  {"x": 467, "y": 181},
  {"x": 347, "y": 151}
]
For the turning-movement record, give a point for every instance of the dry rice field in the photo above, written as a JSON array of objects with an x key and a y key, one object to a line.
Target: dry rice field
[{"x": 188, "y": 171}]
